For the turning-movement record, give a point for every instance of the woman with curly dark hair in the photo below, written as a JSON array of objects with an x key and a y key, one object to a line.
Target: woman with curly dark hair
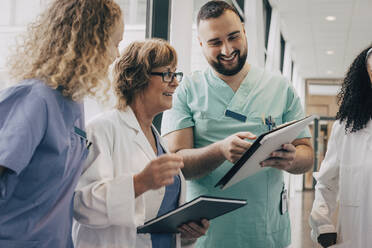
[
  {"x": 356, "y": 94},
  {"x": 346, "y": 171}
]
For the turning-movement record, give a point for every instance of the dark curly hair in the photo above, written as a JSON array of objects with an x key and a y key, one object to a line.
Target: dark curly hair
[{"x": 356, "y": 95}]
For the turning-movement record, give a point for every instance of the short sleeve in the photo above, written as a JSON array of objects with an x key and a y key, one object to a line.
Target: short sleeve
[
  {"x": 294, "y": 111},
  {"x": 22, "y": 126},
  {"x": 180, "y": 115}
]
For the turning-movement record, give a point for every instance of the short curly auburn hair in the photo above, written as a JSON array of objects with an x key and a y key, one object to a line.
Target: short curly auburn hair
[{"x": 131, "y": 72}]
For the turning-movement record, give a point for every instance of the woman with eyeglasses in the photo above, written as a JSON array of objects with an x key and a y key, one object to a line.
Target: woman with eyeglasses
[
  {"x": 345, "y": 174},
  {"x": 129, "y": 176}
]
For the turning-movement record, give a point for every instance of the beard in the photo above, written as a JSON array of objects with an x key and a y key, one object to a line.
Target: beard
[{"x": 222, "y": 69}]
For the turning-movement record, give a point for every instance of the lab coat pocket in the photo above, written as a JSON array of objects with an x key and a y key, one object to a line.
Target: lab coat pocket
[
  {"x": 19, "y": 243},
  {"x": 351, "y": 177}
]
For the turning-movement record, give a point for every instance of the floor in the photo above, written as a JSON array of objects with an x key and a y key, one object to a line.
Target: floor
[{"x": 299, "y": 210}]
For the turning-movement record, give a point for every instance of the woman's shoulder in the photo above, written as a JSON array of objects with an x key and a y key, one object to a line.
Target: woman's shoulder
[
  {"x": 103, "y": 120},
  {"x": 31, "y": 93},
  {"x": 338, "y": 129}
]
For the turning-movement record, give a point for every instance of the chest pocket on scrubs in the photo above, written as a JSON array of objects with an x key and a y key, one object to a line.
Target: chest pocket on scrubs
[
  {"x": 77, "y": 152},
  {"x": 351, "y": 181},
  {"x": 256, "y": 123}
]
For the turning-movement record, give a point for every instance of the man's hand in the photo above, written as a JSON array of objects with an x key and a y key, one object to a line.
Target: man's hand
[
  {"x": 295, "y": 158},
  {"x": 281, "y": 159},
  {"x": 327, "y": 239},
  {"x": 192, "y": 230},
  {"x": 234, "y": 146}
]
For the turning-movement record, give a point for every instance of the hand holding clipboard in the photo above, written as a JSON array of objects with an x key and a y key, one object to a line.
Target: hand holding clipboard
[{"x": 261, "y": 149}]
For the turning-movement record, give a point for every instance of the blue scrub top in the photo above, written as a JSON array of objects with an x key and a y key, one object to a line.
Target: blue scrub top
[
  {"x": 43, "y": 154},
  {"x": 169, "y": 203}
]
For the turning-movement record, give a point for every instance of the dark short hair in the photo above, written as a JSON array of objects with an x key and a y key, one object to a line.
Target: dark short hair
[{"x": 214, "y": 9}]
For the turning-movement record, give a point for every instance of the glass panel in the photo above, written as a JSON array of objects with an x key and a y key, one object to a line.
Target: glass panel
[
  {"x": 27, "y": 10},
  {"x": 5, "y": 12},
  {"x": 134, "y": 12}
]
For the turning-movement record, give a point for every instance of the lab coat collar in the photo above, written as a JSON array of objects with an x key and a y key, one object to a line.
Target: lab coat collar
[
  {"x": 140, "y": 139},
  {"x": 127, "y": 115}
]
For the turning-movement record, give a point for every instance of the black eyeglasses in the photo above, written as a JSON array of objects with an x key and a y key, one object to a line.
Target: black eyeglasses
[{"x": 169, "y": 76}]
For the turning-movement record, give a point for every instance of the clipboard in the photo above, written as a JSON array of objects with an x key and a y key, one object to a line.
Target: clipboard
[
  {"x": 264, "y": 145},
  {"x": 203, "y": 207}
]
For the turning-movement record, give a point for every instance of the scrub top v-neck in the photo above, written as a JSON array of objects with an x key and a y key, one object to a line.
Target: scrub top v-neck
[{"x": 169, "y": 203}]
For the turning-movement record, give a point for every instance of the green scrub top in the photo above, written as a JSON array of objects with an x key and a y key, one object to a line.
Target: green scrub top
[{"x": 200, "y": 102}]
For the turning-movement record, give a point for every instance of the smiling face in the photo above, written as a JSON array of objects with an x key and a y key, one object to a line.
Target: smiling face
[
  {"x": 158, "y": 94},
  {"x": 224, "y": 43}
]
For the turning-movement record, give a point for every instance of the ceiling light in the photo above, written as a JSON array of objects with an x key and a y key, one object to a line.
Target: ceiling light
[
  {"x": 330, "y": 18},
  {"x": 329, "y": 72},
  {"x": 330, "y": 52}
]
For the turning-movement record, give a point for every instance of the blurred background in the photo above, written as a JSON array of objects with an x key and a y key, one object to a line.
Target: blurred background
[{"x": 311, "y": 42}]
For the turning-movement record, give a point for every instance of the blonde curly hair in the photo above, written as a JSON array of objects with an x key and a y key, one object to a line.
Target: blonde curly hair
[
  {"x": 66, "y": 47},
  {"x": 131, "y": 73}
]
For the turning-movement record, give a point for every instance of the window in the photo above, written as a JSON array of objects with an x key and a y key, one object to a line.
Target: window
[
  {"x": 134, "y": 12},
  {"x": 14, "y": 16}
]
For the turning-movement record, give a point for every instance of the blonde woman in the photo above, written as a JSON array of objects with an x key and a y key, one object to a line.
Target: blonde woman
[
  {"x": 64, "y": 56},
  {"x": 129, "y": 177}
]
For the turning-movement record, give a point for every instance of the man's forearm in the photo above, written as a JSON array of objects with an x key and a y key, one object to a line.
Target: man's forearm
[
  {"x": 200, "y": 161},
  {"x": 304, "y": 160}
]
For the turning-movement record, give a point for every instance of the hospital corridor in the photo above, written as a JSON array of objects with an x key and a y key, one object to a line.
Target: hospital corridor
[{"x": 185, "y": 123}]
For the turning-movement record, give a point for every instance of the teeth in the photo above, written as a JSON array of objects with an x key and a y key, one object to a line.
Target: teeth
[
  {"x": 167, "y": 94},
  {"x": 229, "y": 58}
]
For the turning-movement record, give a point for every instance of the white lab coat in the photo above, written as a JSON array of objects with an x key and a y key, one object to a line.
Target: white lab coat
[
  {"x": 106, "y": 211},
  {"x": 345, "y": 177}
]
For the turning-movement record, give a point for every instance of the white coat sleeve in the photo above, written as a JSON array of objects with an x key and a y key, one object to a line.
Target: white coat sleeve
[
  {"x": 102, "y": 198},
  {"x": 327, "y": 188}
]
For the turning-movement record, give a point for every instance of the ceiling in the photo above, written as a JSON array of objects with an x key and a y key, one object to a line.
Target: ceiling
[{"x": 304, "y": 25}]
